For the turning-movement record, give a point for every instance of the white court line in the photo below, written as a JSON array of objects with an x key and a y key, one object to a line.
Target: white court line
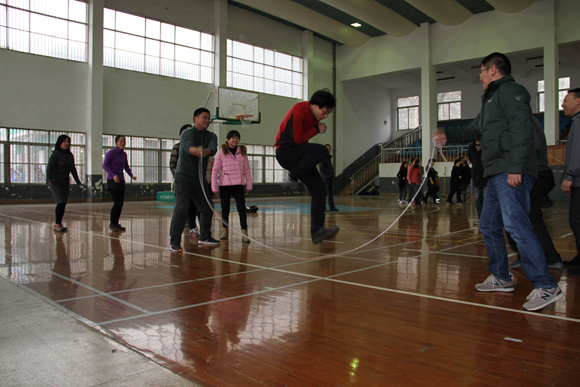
[
  {"x": 567, "y": 235},
  {"x": 316, "y": 278}
]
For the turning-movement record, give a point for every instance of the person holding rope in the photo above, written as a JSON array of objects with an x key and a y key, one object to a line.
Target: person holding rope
[
  {"x": 505, "y": 127},
  {"x": 197, "y": 145}
]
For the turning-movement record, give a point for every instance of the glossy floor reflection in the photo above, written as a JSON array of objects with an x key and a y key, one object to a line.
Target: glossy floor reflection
[{"x": 401, "y": 311}]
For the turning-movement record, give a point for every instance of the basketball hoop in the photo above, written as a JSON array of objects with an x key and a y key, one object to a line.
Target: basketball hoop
[{"x": 245, "y": 119}]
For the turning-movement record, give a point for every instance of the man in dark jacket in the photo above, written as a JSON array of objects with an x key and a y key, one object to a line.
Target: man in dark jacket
[
  {"x": 479, "y": 182},
  {"x": 327, "y": 174},
  {"x": 504, "y": 126}
]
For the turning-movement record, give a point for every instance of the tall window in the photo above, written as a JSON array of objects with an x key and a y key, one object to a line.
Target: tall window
[
  {"x": 264, "y": 166},
  {"x": 265, "y": 71},
  {"x": 563, "y": 86},
  {"x": 56, "y": 28},
  {"x": 148, "y": 157},
  {"x": 24, "y": 154},
  {"x": 408, "y": 113},
  {"x": 135, "y": 43},
  {"x": 449, "y": 105}
]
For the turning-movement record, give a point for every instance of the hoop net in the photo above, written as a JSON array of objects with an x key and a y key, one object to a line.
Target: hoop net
[{"x": 245, "y": 119}]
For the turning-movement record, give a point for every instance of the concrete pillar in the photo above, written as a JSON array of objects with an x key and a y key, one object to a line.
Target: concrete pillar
[
  {"x": 428, "y": 93},
  {"x": 551, "y": 70},
  {"x": 95, "y": 101}
]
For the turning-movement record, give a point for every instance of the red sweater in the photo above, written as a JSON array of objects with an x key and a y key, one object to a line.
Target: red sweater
[{"x": 298, "y": 126}]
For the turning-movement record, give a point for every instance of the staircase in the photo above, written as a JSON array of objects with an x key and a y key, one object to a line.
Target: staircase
[{"x": 370, "y": 171}]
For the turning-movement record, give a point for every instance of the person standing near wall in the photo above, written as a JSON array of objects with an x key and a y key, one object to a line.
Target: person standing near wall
[
  {"x": 455, "y": 183},
  {"x": 571, "y": 183},
  {"x": 326, "y": 171},
  {"x": 432, "y": 183},
  {"x": 479, "y": 182},
  {"x": 235, "y": 179},
  {"x": 115, "y": 163},
  {"x": 60, "y": 165},
  {"x": 300, "y": 158},
  {"x": 402, "y": 176}
]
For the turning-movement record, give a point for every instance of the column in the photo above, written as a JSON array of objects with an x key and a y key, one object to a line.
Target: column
[
  {"x": 551, "y": 70},
  {"x": 428, "y": 94}
]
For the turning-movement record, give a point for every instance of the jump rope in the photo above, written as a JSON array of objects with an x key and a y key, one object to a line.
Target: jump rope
[{"x": 226, "y": 223}]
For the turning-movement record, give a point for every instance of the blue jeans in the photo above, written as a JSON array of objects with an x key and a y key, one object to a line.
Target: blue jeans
[{"x": 508, "y": 207}]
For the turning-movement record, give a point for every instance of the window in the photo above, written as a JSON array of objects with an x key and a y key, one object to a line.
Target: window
[
  {"x": 56, "y": 28},
  {"x": 449, "y": 105},
  {"x": 135, "y": 43},
  {"x": 264, "y": 166},
  {"x": 563, "y": 86},
  {"x": 24, "y": 154},
  {"x": 265, "y": 71},
  {"x": 408, "y": 113},
  {"x": 148, "y": 157}
]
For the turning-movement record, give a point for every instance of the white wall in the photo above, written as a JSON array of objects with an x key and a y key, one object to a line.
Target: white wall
[
  {"x": 42, "y": 93},
  {"x": 364, "y": 109}
]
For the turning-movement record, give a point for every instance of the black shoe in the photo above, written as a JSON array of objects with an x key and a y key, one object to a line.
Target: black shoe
[
  {"x": 573, "y": 272},
  {"x": 208, "y": 241},
  {"x": 324, "y": 233},
  {"x": 333, "y": 209},
  {"x": 116, "y": 227},
  {"x": 573, "y": 262}
]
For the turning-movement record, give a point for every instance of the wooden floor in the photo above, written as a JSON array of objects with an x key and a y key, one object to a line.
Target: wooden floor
[{"x": 400, "y": 311}]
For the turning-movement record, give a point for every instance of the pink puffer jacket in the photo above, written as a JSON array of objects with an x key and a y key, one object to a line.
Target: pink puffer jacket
[{"x": 231, "y": 170}]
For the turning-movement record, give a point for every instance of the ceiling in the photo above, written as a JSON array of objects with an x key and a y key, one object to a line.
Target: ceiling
[{"x": 331, "y": 20}]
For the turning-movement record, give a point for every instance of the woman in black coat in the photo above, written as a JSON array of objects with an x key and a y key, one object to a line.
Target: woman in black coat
[
  {"x": 60, "y": 165},
  {"x": 402, "y": 175}
]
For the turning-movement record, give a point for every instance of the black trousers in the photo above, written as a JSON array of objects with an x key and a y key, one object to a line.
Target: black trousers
[
  {"x": 544, "y": 184},
  {"x": 118, "y": 199},
  {"x": 238, "y": 192},
  {"x": 301, "y": 161},
  {"x": 454, "y": 188},
  {"x": 59, "y": 213},
  {"x": 185, "y": 192},
  {"x": 432, "y": 191},
  {"x": 574, "y": 216},
  {"x": 402, "y": 189}
]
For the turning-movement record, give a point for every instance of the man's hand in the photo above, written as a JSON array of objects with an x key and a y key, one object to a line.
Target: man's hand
[
  {"x": 567, "y": 187},
  {"x": 134, "y": 177},
  {"x": 514, "y": 179},
  {"x": 321, "y": 127},
  {"x": 116, "y": 179}
]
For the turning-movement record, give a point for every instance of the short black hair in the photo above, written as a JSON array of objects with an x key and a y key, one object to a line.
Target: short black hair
[
  {"x": 233, "y": 133},
  {"x": 576, "y": 92},
  {"x": 118, "y": 137},
  {"x": 200, "y": 110},
  {"x": 60, "y": 140},
  {"x": 186, "y": 126},
  {"x": 328, "y": 145},
  {"x": 500, "y": 61},
  {"x": 323, "y": 99}
]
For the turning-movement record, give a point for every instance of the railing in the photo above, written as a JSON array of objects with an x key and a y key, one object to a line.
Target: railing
[
  {"x": 365, "y": 175},
  {"x": 398, "y": 155},
  {"x": 404, "y": 141}
]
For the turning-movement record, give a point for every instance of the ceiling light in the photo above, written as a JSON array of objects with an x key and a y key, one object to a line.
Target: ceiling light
[{"x": 356, "y": 24}]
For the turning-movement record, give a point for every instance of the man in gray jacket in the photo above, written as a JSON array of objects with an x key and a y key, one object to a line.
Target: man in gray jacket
[
  {"x": 504, "y": 126},
  {"x": 571, "y": 182}
]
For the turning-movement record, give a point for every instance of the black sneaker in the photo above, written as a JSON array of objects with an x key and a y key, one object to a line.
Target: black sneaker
[
  {"x": 176, "y": 248},
  {"x": 208, "y": 241},
  {"x": 116, "y": 227},
  {"x": 324, "y": 233}
]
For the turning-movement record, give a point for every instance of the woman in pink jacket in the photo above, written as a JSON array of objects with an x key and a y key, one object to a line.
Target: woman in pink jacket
[{"x": 233, "y": 168}]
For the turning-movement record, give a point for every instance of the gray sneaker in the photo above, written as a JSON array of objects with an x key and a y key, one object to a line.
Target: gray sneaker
[
  {"x": 516, "y": 264},
  {"x": 539, "y": 298},
  {"x": 557, "y": 265},
  {"x": 494, "y": 284}
]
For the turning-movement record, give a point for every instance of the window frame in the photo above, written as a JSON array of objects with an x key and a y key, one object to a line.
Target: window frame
[
  {"x": 562, "y": 91},
  {"x": 446, "y": 105},
  {"x": 33, "y": 37},
  {"x": 160, "y": 53},
  {"x": 264, "y": 71},
  {"x": 408, "y": 108},
  {"x": 8, "y": 144}
]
